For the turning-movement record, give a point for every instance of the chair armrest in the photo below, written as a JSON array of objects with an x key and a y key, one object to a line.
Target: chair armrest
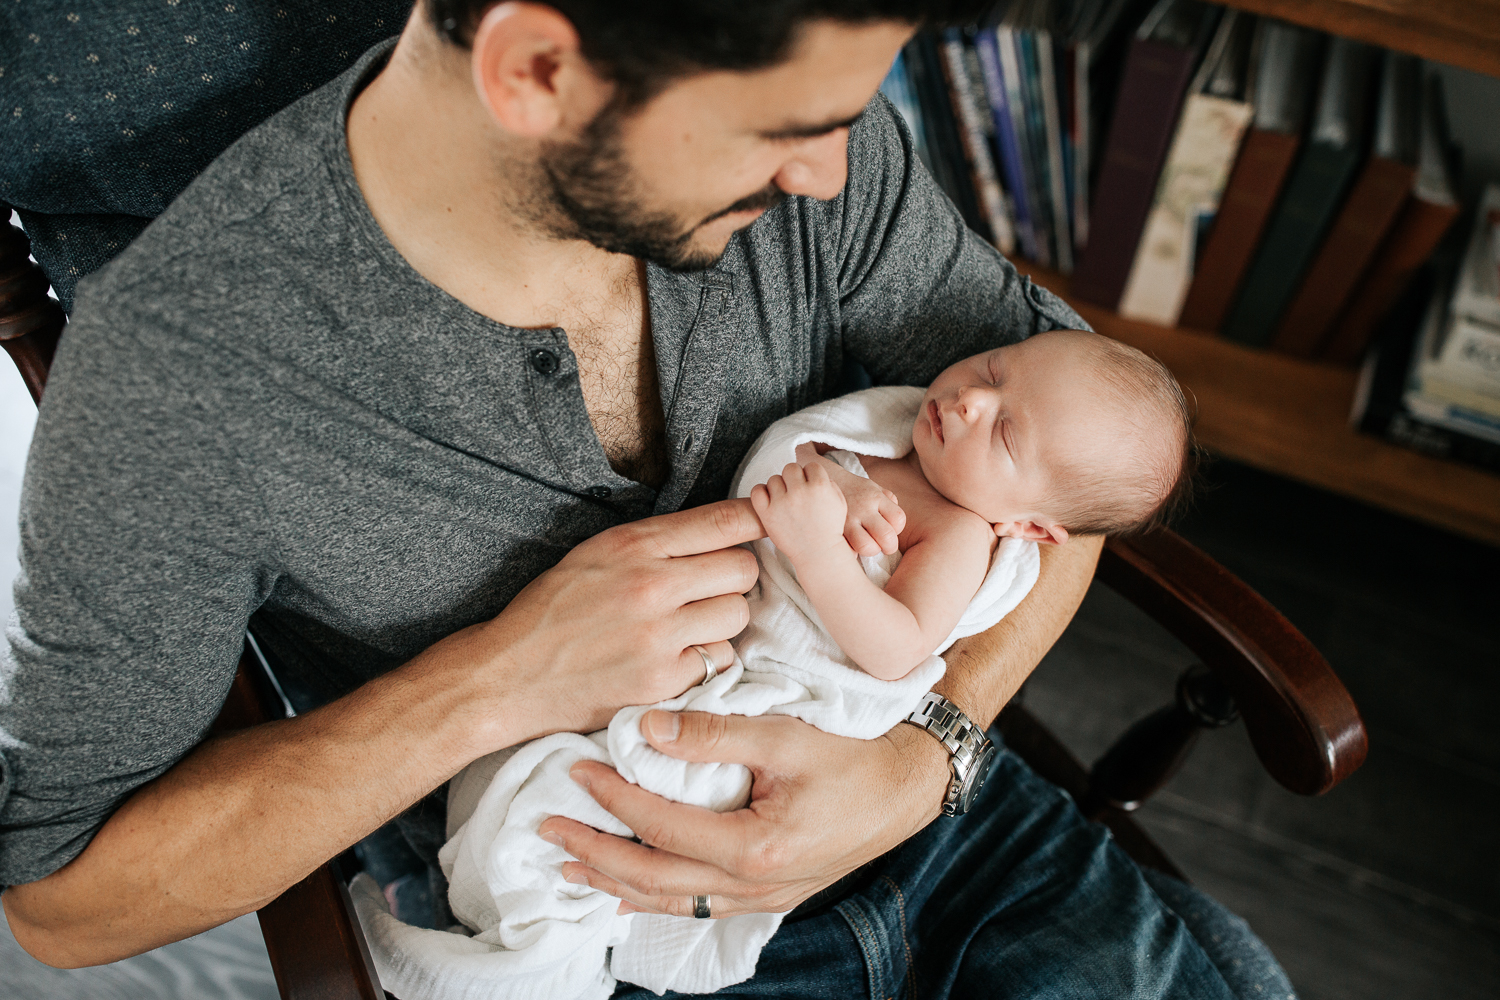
[{"x": 1302, "y": 722}]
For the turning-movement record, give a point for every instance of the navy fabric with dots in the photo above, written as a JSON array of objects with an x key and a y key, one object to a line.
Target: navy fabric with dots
[{"x": 108, "y": 108}]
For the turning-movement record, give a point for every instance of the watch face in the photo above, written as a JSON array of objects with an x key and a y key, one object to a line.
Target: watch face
[{"x": 980, "y": 771}]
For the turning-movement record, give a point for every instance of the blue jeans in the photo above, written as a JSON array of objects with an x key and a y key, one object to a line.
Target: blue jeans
[{"x": 1022, "y": 897}]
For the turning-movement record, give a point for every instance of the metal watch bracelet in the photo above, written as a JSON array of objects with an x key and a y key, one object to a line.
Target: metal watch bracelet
[{"x": 970, "y": 751}]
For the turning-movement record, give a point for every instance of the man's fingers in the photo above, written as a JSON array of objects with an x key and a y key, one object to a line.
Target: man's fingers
[
  {"x": 693, "y": 667},
  {"x": 894, "y": 514},
  {"x": 646, "y": 877},
  {"x": 711, "y": 620},
  {"x": 710, "y": 574},
  {"x": 700, "y": 529},
  {"x": 885, "y": 537},
  {"x": 757, "y": 741},
  {"x": 708, "y": 844},
  {"x": 860, "y": 541}
]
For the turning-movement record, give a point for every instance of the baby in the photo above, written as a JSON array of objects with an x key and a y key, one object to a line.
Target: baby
[
  {"x": 859, "y": 592},
  {"x": 1066, "y": 433}
]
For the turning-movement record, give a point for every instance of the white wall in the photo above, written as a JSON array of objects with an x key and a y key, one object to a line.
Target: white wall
[{"x": 17, "y": 420}]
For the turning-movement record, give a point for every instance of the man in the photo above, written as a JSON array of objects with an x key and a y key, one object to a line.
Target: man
[{"x": 401, "y": 380}]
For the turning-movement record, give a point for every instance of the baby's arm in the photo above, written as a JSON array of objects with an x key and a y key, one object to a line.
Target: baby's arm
[{"x": 886, "y": 632}]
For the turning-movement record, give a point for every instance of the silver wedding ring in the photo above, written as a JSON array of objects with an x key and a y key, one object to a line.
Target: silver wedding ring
[
  {"x": 701, "y": 908},
  {"x": 710, "y": 671}
]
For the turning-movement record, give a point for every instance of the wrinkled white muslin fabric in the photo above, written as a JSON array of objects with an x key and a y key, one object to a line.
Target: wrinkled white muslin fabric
[{"x": 536, "y": 937}]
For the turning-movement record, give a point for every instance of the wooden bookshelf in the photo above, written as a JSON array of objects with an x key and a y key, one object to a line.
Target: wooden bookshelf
[
  {"x": 1291, "y": 417},
  {"x": 1459, "y": 32}
]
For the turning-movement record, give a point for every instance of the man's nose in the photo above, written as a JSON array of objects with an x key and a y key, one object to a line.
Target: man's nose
[{"x": 818, "y": 168}]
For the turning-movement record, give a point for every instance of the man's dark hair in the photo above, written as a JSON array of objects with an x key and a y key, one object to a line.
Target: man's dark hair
[{"x": 643, "y": 46}]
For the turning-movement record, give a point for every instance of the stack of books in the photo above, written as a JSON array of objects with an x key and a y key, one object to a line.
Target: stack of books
[
  {"x": 1434, "y": 385},
  {"x": 1191, "y": 165}
]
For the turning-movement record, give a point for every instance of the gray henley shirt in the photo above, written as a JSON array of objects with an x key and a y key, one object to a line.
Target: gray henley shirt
[{"x": 260, "y": 414}]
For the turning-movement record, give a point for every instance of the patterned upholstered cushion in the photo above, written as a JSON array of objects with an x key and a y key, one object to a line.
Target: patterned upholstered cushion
[{"x": 108, "y": 108}]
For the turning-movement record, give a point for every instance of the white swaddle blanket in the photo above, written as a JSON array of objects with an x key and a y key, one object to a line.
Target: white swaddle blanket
[{"x": 537, "y": 937}]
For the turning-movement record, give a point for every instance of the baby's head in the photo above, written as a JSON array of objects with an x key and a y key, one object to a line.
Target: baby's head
[{"x": 1065, "y": 433}]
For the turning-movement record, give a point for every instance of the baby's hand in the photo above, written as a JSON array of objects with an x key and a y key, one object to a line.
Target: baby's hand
[
  {"x": 874, "y": 519},
  {"x": 802, "y": 510}
]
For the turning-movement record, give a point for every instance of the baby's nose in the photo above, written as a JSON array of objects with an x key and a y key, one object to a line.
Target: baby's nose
[{"x": 975, "y": 401}]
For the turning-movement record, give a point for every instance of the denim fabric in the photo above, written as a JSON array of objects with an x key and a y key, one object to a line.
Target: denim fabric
[
  {"x": 110, "y": 107},
  {"x": 1021, "y": 898}
]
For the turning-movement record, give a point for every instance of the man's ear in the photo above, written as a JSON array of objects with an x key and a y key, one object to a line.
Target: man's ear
[
  {"x": 529, "y": 71},
  {"x": 1046, "y": 534}
]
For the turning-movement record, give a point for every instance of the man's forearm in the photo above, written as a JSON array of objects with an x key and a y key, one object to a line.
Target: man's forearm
[
  {"x": 986, "y": 670},
  {"x": 246, "y": 815}
]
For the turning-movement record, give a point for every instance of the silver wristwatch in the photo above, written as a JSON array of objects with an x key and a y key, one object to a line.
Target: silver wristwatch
[{"x": 972, "y": 752}]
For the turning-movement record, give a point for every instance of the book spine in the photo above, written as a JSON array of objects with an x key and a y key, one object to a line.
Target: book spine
[
  {"x": 1005, "y": 135},
  {"x": 1416, "y": 234},
  {"x": 1366, "y": 217},
  {"x": 976, "y": 145},
  {"x": 1009, "y": 46},
  {"x": 1191, "y": 183},
  {"x": 1057, "y": 170},
  {"x": 1264, "y": 162},
  {"x": 1441, "y": 442},
  {"x": 1151, "y": 92},
  {"x": 925, "y": 67},
  {"x": 1081, "y": 109},
  {"x": 1314, "y": 194},
  {"x": 1036, "y": 140}
]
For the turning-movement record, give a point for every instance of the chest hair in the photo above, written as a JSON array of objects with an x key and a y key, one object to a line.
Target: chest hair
[{"x": 617, "y": 375}]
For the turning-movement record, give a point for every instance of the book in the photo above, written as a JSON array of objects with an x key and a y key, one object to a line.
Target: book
[
  {"x": 1045, "y": 86},
  {"x": 1384, "y": 183},
  {"x": 987, "y": 47},
  {"x": 1096, "y": 41},
  {"x": 975, "y": 141},
  {"x": 1284, "y": 63},
  {"x": 1477, "y": 294},
  {"x": 1011, "y": 66},
  {"x": 1424, "y": 220},
  {"x": 1313, "y": 195},
  {"x": 1039, "y": 165},
  {"x": 897, "y": 87},
  {"x": 1163, "y": 55},
  {"x": 924, "y": 64},
  {"x": 1389, "y": 399},
  {"x": 1214, "y": 118},
  {"x": 1461, "y": 369}
]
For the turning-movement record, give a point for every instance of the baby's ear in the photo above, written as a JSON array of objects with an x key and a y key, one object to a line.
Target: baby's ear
[{"x": 1045, "y": 534}]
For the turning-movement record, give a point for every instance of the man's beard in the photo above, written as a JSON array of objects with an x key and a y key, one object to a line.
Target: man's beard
[{"x": 586, "y": 191}]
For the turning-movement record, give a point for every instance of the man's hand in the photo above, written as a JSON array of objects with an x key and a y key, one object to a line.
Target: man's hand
[
  {"x": 874, "y": 520},
  {"x": 613, "y": 623},
  {"x": 821, "y": 806}
]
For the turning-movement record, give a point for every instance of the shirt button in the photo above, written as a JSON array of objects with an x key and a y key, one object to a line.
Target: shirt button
[
  {"x": 599, "y": 491},
  {"x": 544, "y": 361}
]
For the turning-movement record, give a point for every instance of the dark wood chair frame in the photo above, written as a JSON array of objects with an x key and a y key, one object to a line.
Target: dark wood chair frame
[{"x": 1301, "y": 720}]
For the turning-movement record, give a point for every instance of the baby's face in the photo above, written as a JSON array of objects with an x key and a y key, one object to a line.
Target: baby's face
[{"x": 991, "y": 427}]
